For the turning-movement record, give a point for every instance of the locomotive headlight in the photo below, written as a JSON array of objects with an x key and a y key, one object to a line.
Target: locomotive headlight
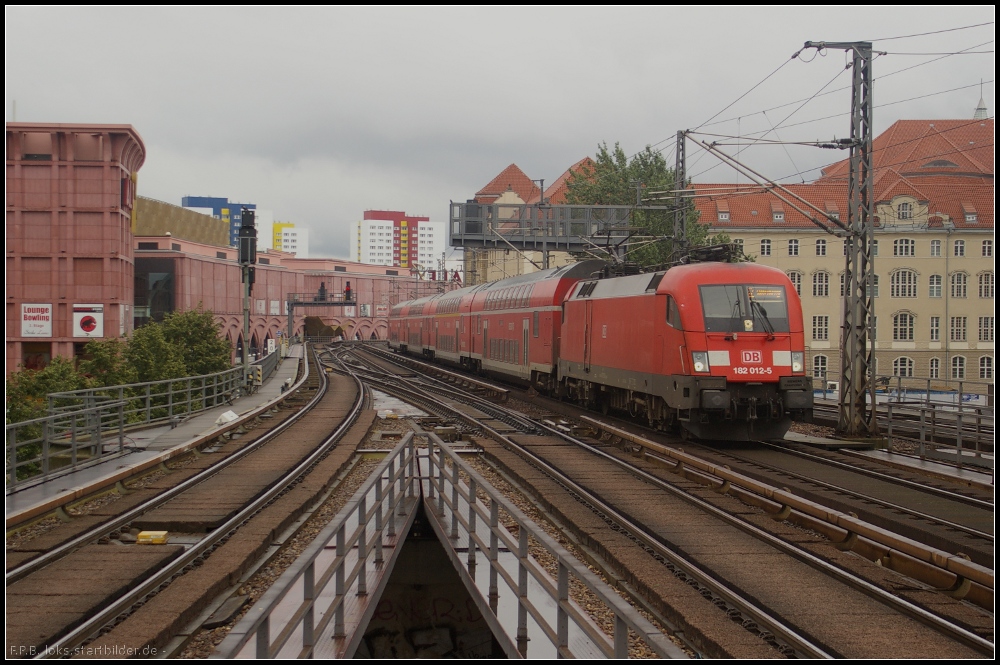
[
  {"x": 700, "y": 359},
  {"x": 798, "y": 361}
]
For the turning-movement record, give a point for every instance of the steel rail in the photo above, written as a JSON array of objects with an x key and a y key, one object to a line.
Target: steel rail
[
  {"x": 799, "y": 644},
  {"x": 164, "y": 576},
  {"x": 116, "y": 523}
]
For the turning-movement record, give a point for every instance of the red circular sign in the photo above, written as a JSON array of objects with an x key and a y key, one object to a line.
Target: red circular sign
[{"x": 88, "y": 323}]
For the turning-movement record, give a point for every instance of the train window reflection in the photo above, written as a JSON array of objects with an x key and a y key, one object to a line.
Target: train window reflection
[{"x": 745, "y": 308}]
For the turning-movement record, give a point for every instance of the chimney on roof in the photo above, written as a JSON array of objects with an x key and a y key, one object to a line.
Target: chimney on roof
[{"x": 981, "y": 113}]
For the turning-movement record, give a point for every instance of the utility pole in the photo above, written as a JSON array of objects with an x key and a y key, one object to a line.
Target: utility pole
[
  {"x": 680, "y": 183},
  {"x": 857, "y": 385},
  {"x": 248, "y": 257}
]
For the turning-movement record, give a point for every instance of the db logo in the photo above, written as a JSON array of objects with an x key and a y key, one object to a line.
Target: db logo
[{"x": 752, "y": 357}]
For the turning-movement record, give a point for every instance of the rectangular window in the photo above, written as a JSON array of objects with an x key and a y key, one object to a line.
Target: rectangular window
[
  {"x": 958, "y": 326},
  {"x": 821, "y": 327},
  {"x": 793, "y": 247},
  {"x": 935, "y": 328},
  {"x": 935, "y": 248},
  {"x": 986, "y": 328},
  {"x": 935, "y": 286}
]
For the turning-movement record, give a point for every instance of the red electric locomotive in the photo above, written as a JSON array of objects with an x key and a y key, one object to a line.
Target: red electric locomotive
[{"x": 715, "y": 349}]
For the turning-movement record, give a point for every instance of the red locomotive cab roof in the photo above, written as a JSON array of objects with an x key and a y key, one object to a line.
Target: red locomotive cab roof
[{"x": 682, "y": 279}]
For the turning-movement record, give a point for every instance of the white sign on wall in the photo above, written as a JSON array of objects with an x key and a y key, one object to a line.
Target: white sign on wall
[
  {"x": 260, "y": 306},
  {"x": 366, "y": 310},
  {"x": 88, "y": 320},
  {"x": 275, "y": 307},
  {"x": 349, "y": 311},
  {"x": 36, "y": 320}
]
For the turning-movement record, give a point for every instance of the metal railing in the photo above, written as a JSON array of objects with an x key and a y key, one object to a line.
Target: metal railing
[
  {"x": 964, "y": 436},
  {"x": 327, "y": 603},
  {"x": 80, "y": 422},
  {"x": 157, "y": 401},
  {"x": 314, "y": 593},
  {"x": 63, "y": 441}
]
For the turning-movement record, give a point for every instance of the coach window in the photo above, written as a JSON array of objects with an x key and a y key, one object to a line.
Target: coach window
[
  {"x": 534, "y": 324},
  {"x": 673, "y": 313}
]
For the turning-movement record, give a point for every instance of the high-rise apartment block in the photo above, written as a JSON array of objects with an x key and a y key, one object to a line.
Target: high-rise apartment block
[{"x": 393, "y": 238}]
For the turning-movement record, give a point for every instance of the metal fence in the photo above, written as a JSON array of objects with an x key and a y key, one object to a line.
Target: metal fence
[
  {"x": 321, "y": 605},
  {"x": 85, "y": 425},
  {"x": 63, "y": 441}
]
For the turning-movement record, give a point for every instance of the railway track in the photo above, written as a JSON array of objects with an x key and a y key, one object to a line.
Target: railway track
[
  {"x": 95, "y": 589},
  {"x": 646, "y": 522}
]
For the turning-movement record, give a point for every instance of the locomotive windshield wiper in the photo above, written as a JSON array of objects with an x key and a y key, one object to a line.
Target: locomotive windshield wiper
[{"x": 757, "y": 308}]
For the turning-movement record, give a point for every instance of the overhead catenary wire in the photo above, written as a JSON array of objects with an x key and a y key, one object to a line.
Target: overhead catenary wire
[{"x": 836, "y": 90}]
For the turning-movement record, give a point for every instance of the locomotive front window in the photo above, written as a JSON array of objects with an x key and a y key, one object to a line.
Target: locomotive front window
[{"x": 737, "y": 308}]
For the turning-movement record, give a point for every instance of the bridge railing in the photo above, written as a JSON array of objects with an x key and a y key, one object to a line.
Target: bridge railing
[
  {"x": 65, "y": 440},
  {"x": 322, "y": 601},
  {"x": 80, "y": 423}
]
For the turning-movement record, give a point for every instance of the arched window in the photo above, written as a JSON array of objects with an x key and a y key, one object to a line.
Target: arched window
[
  {"x": 902, "y": 327},
  {"x": 935, "y": 368},
  {"x": 821, "y": 284},
  {"x": 903, "y": 367},
  {"x": 986, "y": 367},
  {"x": 819, "y": 367},
  {"x": 903, "y": 284},
  {"x": 959, "y": 285},
  {"x": 958, "y": 367}
]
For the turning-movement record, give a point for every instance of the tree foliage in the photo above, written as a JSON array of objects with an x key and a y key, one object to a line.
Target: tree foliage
[
  {"x": 28, "y": 390},
  {"x": 198, "y": 337},
  {"x": 153, "y": 356},
  {"x": 614, "y": 179},
  {"x": 105, "y": 363},
  {"x": 185, "y": 344}
]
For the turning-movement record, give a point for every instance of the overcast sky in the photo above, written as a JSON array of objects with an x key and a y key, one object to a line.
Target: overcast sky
[{"x": 321, "y": 114}]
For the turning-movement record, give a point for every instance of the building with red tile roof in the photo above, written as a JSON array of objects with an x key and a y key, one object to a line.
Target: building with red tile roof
[{"x": 934, "y": 267}]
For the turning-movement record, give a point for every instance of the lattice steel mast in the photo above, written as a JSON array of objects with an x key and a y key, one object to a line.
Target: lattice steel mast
[{"x": 857, "y": 386}]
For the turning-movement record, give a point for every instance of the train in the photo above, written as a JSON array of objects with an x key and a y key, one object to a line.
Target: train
[{"x": 712, "y": 350}]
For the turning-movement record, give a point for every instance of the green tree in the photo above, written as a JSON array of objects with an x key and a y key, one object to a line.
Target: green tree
[
  {"x": 28, "y": 390},
  {"x": 106, "y": 363},
  {"x": 153, "y": 356},
  {"x": 614, "y": 179},
  {"x": 197, "y": 337}
]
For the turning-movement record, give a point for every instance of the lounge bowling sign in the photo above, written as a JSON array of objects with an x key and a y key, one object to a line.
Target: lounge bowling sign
[
  {"x": 36, "y": 320},
  {"x": 88, "y": 320}
]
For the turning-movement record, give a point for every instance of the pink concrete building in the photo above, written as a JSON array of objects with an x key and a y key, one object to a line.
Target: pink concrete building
[
  {"x": 70, "y": 197},
  {"x": 173, "y": 274}
]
